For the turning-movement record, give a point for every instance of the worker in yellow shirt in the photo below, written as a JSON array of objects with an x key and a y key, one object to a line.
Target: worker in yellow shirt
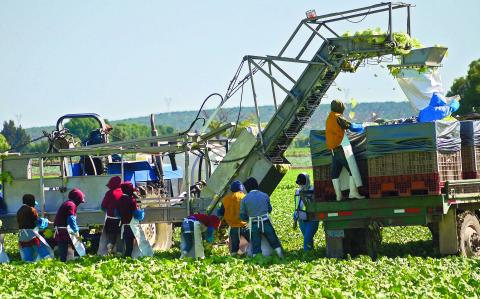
[{"x": 230, "y": 211}]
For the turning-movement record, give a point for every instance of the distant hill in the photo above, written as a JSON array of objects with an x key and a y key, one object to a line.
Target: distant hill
[{"x": 182, "y": 119}]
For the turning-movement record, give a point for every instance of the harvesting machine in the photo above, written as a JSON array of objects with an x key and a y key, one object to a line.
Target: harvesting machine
[{"x": 323, "y": 54}]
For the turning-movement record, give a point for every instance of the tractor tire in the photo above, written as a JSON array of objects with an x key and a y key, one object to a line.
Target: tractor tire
[
  {"x": 150, "y": 232},
  {"x": 164, "y": 236},
  {"x": 468, "y": 234}
]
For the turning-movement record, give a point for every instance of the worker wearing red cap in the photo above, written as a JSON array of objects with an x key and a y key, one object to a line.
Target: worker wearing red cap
[
  {"x": 111, "y": 228},
  {"x": 130, "y": 214},
  {"x": 31, "y": 244},
  {"x": 66, "y": 228},
  {"x": 195, "y": 228}
]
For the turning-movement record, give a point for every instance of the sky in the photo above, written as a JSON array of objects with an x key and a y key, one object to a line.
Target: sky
[{"x": 123, "y": 59}]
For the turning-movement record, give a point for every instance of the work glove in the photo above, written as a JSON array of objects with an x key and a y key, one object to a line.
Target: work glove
[
  {"x": 209, "y": 235},
  {"x": 357, "y": 128},
  {"x": 42, "y": 223},
  {"x": 210, "y": 239},
  {"x": 454, "y": 105},
  {"x": 139, "y": 214}
]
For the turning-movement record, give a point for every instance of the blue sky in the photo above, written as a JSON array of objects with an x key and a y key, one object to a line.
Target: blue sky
[{"x": 127, "y": 58}]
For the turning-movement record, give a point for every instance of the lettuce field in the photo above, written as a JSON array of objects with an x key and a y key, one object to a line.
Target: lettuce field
[{"x": 407, "y": 267}]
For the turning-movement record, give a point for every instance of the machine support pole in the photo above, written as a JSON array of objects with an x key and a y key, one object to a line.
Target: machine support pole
[
  {"x": 308, "y": 41},
  {"x": 42, "y": 187},
  {"x": 271, "y": 83},
  {"x": 409, "y": 32},
  {"x": 390, "y": 30},
  {"x": 273, "y": 80},
  {"x": 331, "y": 30},
  {"x": 290, "y": 39},
  {"x": 315, "y": 32},
  {"x": 122, "y": 168},
  {"x": 284, "y": 73},
  {"x": 255, "y": 100},
  {"x": 187, "y": 178}
]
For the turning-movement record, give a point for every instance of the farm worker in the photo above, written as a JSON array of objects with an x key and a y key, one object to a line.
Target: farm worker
[
  {"x": 3, "y": 255},
  {"x": 255, "y": 208},
  {"x": 66, "y": 228},
  {"x": 111, "y": 228},
  {"x": 130, "y": 215},
  {"x": 336, "y": 126},
  {"x": 230, "y": 211},
  {"x": 308, "y": 226},
  {"x": 3, "y": 210},
  {"x": 31, "y": 244},
  {"x": 195, "y": 228},
  {"x": 438, "y": 108}
]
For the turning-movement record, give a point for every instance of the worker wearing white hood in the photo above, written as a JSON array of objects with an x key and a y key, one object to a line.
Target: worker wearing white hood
[{"x": 308, "y": 226}]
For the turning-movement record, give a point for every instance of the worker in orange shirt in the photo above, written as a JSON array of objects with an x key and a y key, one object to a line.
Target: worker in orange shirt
[
  {"x": 336, "y": 126},
  {"x": 230, "y": 211}
]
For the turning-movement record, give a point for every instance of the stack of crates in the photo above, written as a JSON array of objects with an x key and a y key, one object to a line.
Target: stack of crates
[
  {"x": 322, "y": 160},
  {"x": 413, "y": 159},
  {"x": 470, "y": 133}
]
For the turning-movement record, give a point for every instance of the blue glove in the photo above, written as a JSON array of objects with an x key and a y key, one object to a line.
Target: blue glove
[
  {"x": 455, "y": 105},
  {"x": 42, "y": 223},
  {"x": 357, "y": 128},
  {"x": 139, "y": 214},
  {"x": 209, "y": 235},
  {"x": 72, "y": 222}
]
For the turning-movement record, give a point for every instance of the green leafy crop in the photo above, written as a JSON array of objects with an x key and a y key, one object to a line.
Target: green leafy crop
[{"x": 407, "y": 268}]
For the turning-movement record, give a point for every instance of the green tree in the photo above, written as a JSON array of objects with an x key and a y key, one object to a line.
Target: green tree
[
  {"x": 468, "y": 88},
  {"x": 37, "y": 147},
  {"x": 16, "y": 136},
  {"x": 81, "y": 127},
  {"x": 4, "y": 146},
  {"x": 123, "y": 131}
]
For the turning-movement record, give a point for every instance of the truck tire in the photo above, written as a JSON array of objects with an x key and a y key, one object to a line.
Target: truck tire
[
  {"x": 164, "y": 236},
  {"x": 468, "y": 234},
  {"x": 365, "y": 241},
  {"x": 354, "y": 242},
  {"x": 373, "y": 240}
]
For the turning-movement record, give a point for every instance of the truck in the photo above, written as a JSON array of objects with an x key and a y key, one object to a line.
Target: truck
[{"x": 414, "y": 174}]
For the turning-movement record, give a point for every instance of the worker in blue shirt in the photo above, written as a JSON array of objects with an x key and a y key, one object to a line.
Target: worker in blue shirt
[
  {"x": 438, "y": 108},
  {"x": 255, "y": 208}
]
